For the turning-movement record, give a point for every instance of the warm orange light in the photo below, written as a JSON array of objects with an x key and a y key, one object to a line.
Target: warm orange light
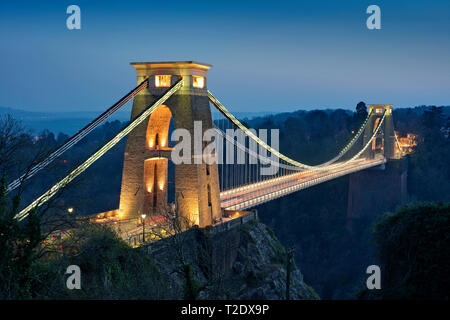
[
  {"x": 149, "y": 188},
  {"x": 198, "y": 82},
  {"x": 163, "y": 142},
  {"x": 162, "y": 81},
  {"x": 151, "y": 143},
  {"x": 161, "y": 186},
  {"x": 196, "y": 219}
]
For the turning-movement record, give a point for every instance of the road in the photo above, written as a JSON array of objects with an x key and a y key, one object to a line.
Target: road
[{"x": 257, "y": 193}]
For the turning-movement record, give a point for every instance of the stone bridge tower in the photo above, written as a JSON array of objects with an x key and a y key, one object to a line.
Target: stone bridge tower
[
  {"x": 385, "y": 140},
  {"x": 145, "y": 169},
  {"x": 377, "y": 190}
]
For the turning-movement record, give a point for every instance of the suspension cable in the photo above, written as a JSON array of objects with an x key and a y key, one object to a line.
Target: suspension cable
[
  {"x": 253, "y": 153},
  {"x": 100, "y": 152},
  {"x": 78, "y": 136},
  {"x": 351, "y": 143},
  {"x": 336, "y": 166},
  {"x": 229, "y": 193},
  {"x": 321, "y": 167}
]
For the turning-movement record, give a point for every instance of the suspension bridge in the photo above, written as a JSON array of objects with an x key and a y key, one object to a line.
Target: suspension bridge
[{"x": 206, "y": 190}]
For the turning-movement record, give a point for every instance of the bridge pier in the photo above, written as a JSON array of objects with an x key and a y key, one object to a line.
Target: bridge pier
[{"x": 377, "y": 190}]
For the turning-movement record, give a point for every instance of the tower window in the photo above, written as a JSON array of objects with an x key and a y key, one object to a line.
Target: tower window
[
  {"x": 209, "y": 195},
  {"x": 162, "y": 81},
  {"x": 157, "y": 141},
  {"x": 198, "y": 82},
  {"x": 155, "y": 181}
]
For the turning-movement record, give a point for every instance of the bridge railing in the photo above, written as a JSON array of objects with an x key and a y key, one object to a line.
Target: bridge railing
[{"x": 233, "y": 223}]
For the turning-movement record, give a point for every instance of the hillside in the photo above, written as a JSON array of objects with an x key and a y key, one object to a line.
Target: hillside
[{"x": 247, "y": 262}]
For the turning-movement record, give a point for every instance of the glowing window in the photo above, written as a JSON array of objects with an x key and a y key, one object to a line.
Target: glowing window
[
  {"x": 162, "y": 81},
  {"x": 379, "y": 110},
  {"x": 198, "y": 82}
]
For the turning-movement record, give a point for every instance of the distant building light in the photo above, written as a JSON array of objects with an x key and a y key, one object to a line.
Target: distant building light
[
  {"x": 198, "y": 82},
  {"x": 162, "y": 81},
  {"x": 70, "y": 210}
]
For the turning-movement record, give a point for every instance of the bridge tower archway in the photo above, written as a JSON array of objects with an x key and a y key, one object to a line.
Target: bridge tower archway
[
  {"x": 385, "y": 139},
  {"x": 147, "y": 150}
]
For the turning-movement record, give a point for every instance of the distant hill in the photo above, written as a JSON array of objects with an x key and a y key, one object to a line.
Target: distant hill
[
  {"x": 70, "y": 122},
  {"x": 66, "y": 122}
]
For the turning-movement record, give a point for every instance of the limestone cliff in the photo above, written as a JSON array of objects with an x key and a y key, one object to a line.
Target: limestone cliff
[{"x": 244, "y": 262}]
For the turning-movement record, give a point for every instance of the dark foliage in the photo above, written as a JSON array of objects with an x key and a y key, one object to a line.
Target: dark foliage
[
  {"x": 412, "y": 246},
  {"x": 111, "y": 269},
  {"x": 332, "y": 258},
  {"x": 19, "y": 249}
]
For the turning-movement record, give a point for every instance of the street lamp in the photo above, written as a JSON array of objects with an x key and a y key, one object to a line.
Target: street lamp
[
  {"x": 143, "y": 227},
  {"x": 70, "y": 210}
]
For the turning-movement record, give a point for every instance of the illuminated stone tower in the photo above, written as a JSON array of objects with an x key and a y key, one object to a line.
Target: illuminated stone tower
[
  {"x": 382, "y": 188},
  {"x": 145, "y": 170},
  {"x": 385, "y": 139}
]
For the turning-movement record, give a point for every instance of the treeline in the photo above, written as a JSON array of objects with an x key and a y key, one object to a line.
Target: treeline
[
  {"x": 96, "y": 190},
  {"x": 313, "y": 222},
  {"x": 332, "y": 258}
]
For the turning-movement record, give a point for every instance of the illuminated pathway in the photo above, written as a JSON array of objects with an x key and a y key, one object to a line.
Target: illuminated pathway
[{"x": 257, "y": 193}]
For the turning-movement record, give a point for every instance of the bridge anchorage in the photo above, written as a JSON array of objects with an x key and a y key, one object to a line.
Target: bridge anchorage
[{"x": 208, "y": 194}]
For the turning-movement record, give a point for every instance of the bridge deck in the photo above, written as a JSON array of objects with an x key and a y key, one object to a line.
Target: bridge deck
[{"x": 257, "y": 193}]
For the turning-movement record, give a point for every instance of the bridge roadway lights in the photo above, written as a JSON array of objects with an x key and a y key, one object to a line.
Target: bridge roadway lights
[
  {"x": 144, "y": 181},
  {"x": 279, "y": 193},
  {"x": 196, "y": 188}
]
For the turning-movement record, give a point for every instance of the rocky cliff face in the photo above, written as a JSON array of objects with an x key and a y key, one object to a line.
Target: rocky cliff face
[{"x": 246, "y": 262}]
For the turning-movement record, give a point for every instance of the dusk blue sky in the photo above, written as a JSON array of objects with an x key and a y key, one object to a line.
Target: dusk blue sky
[{"x": 266, "y": 55}]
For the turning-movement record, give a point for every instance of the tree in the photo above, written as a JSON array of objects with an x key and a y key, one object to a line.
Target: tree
[
  {"x": 290, "y": 265},
  {"x": 412, "y": 246},
  {"x": 21, "y": 243},
  {"x": 177, "y": 231},
  {"x": 428, "y": 172},
  {"x": 13, "y": 140},
  {"x": 19, "y": 248},
  {"x": 361, "y": 111},
  {"x": 433, "y": 118},
  {"x": 110, "y": 268}
]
